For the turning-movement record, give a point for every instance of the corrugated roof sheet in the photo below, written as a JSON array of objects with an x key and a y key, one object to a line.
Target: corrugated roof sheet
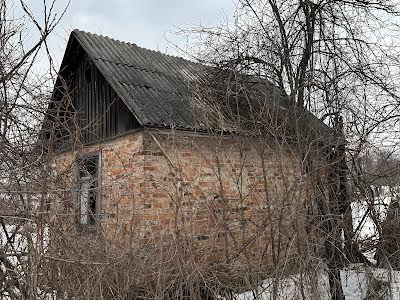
[{"x": 155, "y": 86}]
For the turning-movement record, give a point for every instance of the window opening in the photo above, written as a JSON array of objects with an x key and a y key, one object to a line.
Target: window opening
[{"x": 89, "y": 186}]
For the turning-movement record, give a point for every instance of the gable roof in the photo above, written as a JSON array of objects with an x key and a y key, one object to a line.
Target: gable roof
[
  {"x": 154, "y": 86},
  {"x": 158, "y": 88}
]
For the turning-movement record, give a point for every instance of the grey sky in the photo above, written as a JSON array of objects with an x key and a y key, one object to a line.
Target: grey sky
[{"x": 144, "y": 22}]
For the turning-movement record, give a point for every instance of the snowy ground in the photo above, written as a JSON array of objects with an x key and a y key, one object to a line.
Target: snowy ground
[
  {"x": 362, "y": 216},
  {"x": 358, "y": 282}
]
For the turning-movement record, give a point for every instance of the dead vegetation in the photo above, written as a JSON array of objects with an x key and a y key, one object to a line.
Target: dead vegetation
[{"x": 287, "y": 207}]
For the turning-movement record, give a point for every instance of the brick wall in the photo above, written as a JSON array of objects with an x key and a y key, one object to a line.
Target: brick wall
[{"x": 222, "y": 197}]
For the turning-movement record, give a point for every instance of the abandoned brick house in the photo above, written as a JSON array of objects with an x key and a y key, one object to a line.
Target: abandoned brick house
[{"x": 147, "y": 158}]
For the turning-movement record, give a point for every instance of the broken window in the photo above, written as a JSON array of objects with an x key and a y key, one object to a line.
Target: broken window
[{"x": 88, "y": 189}]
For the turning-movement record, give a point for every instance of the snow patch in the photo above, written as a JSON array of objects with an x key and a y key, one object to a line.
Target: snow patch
[{"x": 358, "y": 282}]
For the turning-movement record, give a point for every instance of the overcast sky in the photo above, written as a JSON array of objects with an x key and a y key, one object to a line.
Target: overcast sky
[{"x": 144, "y": 22}]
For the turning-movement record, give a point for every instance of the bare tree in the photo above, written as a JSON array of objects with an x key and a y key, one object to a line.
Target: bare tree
[
  {"x": 337, "y": 59},
  {"x": 332, "y": 58},
  {"x": 23, "y": 100}
]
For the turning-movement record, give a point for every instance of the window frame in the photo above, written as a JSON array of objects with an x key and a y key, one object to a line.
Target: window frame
[{"x": 80, "y": 160}]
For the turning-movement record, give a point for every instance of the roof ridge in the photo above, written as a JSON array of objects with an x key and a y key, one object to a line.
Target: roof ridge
[{"x": 78, "y": 31}]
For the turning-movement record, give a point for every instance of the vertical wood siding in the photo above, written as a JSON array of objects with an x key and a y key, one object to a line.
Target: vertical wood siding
[{"x": 101, "y": 113}]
